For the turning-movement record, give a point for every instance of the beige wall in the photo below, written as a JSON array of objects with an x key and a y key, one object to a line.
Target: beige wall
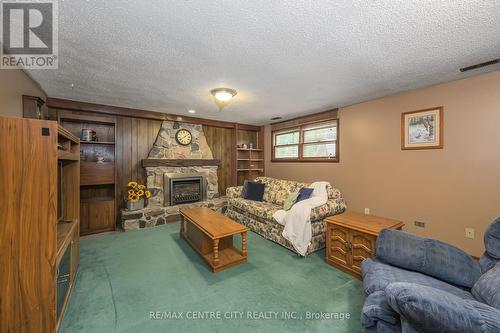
[
  {"x": 449, "y": 189},
  {"x": 13, "y": 84}
]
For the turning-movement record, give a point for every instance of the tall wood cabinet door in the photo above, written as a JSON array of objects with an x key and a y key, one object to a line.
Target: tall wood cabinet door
[
  {"x": 75, "y": 254},
  {"x": 363, "y": 247},
  {"x": 338, "y": 250},
  {"x": 28, "y": 208},
  {"x": 101, "y": 216},
  {"x": 97, "y": 216},
  {"x": 84, "y": 218}
]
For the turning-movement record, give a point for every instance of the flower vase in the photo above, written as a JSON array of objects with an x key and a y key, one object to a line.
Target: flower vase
[{"x": 135, "y": 205}]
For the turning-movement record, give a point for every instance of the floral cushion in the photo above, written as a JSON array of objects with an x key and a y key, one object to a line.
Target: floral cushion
[
  {"x": 333, "y": 193},
  {"x": 331, "y": 207},
  {"x": 277, "y": 190},
  {"x": 260, "y": 209},
  {"x": 234, "y": 192}
]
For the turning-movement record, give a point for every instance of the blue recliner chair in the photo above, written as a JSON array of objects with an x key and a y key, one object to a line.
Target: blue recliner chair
[{"x": 422, "y": 285}]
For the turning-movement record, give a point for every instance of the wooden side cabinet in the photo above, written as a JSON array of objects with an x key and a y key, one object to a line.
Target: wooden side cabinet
[
  {"x": 39, "y": 206},
  {"x": 351, "y": 238}
]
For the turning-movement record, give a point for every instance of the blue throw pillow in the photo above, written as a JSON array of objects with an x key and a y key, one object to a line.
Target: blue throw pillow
[
  {"x": 253, "y": 191},
  {"x": 304, "y": 193}
]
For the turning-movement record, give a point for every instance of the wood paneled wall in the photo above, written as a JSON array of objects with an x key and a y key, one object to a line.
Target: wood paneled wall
[
  {"x": 219, "y": 140},
  {"x": 134, "y": 139},
  {"x": 136, "y": 136}
]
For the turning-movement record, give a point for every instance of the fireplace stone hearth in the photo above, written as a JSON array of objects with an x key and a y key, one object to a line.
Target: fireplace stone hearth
[{"x": 155, "y": 216}]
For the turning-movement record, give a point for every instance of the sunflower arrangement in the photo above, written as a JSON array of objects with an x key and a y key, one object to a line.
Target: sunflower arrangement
[{"x": 136, "y": 191}]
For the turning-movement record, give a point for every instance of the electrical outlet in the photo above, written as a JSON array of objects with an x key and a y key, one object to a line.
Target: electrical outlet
[
  {"x": 367, "y": 211},
  {"x": 469, "y": 233},
  {"x": 420, "y": 224}
]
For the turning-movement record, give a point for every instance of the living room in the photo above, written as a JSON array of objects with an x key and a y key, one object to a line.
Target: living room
[{"x": 268, "y": 166}]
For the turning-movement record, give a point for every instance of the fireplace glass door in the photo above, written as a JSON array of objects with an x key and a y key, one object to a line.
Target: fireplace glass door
[{"x": 186, "y": 190}]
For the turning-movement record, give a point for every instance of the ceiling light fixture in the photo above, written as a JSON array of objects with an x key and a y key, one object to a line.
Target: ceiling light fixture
[
  {"x": 222, "y": 96},
  {"x": 191, "y": 111}
]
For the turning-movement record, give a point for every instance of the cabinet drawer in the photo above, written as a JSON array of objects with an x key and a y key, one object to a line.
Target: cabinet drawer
[
  {"x": 363, "y": 247},
  {"x": 337, "y": 243}
]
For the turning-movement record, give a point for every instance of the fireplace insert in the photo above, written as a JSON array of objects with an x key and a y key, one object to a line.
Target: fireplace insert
[{"x": 181, "y": 188}]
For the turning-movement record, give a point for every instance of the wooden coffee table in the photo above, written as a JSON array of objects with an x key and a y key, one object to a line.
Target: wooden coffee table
[{"x": 211, "y": 235}]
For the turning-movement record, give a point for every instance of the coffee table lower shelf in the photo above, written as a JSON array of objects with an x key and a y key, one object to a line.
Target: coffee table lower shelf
[
  {"x": 212, "y": 237},
  {"x": 228, "y": 257}
]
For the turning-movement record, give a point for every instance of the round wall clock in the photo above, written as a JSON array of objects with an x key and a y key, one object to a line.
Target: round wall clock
[{"x": 183, "y": 137}]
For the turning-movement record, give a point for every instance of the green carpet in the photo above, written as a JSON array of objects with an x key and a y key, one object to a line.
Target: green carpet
[{"x": 125, "y": 276}]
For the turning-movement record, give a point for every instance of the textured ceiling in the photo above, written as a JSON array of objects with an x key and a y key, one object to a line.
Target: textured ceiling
[{"x": 285, "y": 58}]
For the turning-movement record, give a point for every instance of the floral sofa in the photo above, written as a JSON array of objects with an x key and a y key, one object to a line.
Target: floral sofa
[{"x": 258, "y": 216}]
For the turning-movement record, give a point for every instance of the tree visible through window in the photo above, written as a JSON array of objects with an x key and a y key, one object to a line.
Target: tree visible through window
[{"x": 316, "y": 141}]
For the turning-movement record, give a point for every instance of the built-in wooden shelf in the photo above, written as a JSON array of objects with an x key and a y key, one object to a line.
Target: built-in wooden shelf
[
  {"x": 98, "y": 188},
  {"x": 248, "y": 149},
  {"x": 61, "y": 131},
  {"x": 67, "y": 156},
  {"x": 95, "y": 199},
  {"x": 68, "y": 148},
  {"x": 96, "y": 183},
  {"x": 251, "y": 159},
  {"x": 97, "y": 142},
  {"x": 65, "y": 231},
  {"x": 79, "y": 118}
]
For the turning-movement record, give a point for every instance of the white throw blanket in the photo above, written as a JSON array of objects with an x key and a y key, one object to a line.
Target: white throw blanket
[{"x": 297, "y": 220}]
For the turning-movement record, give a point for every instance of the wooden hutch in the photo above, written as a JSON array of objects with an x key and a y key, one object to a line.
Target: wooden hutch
[{"x": 39, "y": 235}]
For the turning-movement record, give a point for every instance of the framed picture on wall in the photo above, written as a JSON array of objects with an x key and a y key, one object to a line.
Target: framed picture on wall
[{"x": 422, "y": 129}]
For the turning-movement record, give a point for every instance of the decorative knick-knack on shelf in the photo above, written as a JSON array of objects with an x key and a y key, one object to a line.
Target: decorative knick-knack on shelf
[{"x": 100, "y": 159}]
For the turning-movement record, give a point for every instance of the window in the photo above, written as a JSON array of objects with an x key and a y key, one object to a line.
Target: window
[
  {"x": 286, "y": 144},
  {"x": 311, "y": 142}
]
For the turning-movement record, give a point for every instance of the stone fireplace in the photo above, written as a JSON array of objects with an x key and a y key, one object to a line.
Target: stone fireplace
[
  {"x": 177, "y": 176},
  {"x": 168, "y": 157}
]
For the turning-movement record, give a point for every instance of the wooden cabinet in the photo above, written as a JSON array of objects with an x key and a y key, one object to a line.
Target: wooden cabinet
[
  {"x": 351, "y": 238},
  {"x": 68, "y": 260},
  {"x": 39, "y": 178},
  {"x": 33, "y": 107},
  {"x": 97, "y": 216}
]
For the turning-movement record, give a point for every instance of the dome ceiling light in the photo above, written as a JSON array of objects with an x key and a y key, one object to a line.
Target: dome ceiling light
[{"x": 222, "y": 96}]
